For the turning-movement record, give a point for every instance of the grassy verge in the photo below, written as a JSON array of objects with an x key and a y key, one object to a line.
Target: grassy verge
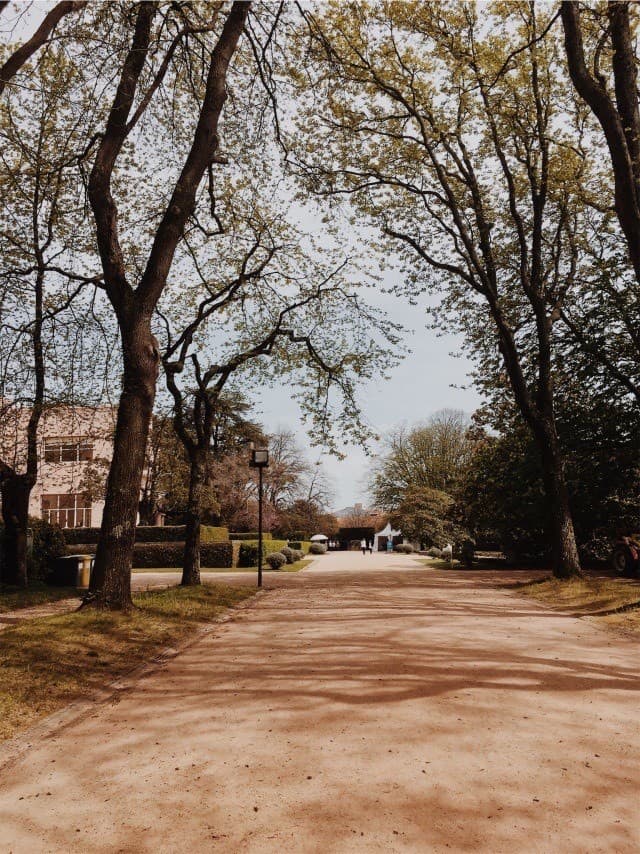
[
  {"x": 49, "y": 662},
  {"x": 12, "y": 598},
  {"x": 592, "y": 597},
  {"x": 297, "y": 565},
  {"x": 289, "y": 567}
]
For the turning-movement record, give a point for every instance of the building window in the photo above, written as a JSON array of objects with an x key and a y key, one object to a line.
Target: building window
[
  {"x": 67, "y": 510},
  {"x": 68, "y": 450}
]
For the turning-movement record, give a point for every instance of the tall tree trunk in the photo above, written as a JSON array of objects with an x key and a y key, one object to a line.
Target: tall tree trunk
[
  {"x": 111, "y": 578},
  {"x": 197, "y": 475},
  {"x": 16, "y": 489},
  {"x": 566, "y": 561}
]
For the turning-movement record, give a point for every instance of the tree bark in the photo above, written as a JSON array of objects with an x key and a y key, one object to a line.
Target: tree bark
[
  {"x": 566, "y": 561},
  {"x": 111, "y": 578},
  {"x": 111, "y": 581},
  {"x": 197, "y": 476},
  {"x": 619, "y": 119}
]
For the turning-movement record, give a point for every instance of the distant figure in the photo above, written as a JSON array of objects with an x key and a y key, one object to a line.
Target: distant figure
[
  {"x": 389, "y": 545},
  {"x": 447, "y": 553},
  {"x": 370, "y": 546},
  {"x": 363, "y": 546}
]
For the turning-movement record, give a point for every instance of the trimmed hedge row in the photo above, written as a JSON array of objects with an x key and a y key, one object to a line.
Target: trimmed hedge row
[
  {"x": 249, "y": 551},
  {"x": 150, "y": 534},
  {"x": 163, "y": 555},
  {"x": 250, "y": 535}
]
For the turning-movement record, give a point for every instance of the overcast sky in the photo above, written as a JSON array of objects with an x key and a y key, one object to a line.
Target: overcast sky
[{"x": 424, "y": 382}]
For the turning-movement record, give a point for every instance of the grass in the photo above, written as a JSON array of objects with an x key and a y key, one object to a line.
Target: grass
[
  {"x": 13, "y": 598},
  {"x": 592, "y": 597},
  {"x": 289, "y": 567},
  {"x": 47, "y": 663}
]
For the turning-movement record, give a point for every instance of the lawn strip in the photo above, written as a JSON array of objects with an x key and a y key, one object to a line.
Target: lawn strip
[
  {"x": 13, "y": 598},
  {"x": 603, "y": 598},
  {"x": 49, "y": 662}
]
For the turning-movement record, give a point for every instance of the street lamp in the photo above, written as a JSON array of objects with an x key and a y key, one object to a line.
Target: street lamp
[{"x": 260, "y": 461}]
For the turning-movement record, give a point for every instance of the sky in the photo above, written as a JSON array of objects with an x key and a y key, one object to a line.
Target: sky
[{"x": 427, "y": 380}]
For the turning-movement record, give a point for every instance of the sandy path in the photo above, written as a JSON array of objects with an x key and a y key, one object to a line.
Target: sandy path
[{"x": 398, "y": 709}]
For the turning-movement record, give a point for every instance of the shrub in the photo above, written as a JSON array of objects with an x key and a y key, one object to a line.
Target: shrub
[
  {"x": 249, "y": 550},
  {"x": 288, "y": 553},
  {"x": 250, "y": 535},
  {"x": 298, "y": 554},
  {"x": 434, "y": 552},
  {"x": 404, "y": 548},
  {"x": 148, "y": 534},
  {"x": 210, "y": 534},
  {"x": 276, "y": 560},
  {"x": 48, "y": 544},
  {"x": 295, "y": 544},
  {"x": 317, "y": 549},
  {"x": 163, "y": 555}
]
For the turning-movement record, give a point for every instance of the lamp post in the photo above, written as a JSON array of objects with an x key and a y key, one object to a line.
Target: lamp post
[{"x": 260, "y": 461}]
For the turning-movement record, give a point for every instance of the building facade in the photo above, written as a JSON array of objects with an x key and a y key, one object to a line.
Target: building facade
[{"x": 75, "y": 445}]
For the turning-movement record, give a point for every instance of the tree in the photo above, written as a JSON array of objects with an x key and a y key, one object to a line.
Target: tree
[
  {"x": 20, "y": 55},
  {"x": 42, "y": 284},
  {"x": 424, "y": 515},
  {"x": 609, "y": 86},
  {"x": 139, "y": 77},
  {"x": 430, "y": 456},
  {"x": 459, "y": 149}
]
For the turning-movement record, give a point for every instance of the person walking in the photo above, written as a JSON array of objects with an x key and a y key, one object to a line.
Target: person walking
[
  {"x": 370, "y": 547},
  {"x": 363, "y": 546}
]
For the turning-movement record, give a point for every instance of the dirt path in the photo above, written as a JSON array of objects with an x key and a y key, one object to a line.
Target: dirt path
[{"x": 397, "y": 709}]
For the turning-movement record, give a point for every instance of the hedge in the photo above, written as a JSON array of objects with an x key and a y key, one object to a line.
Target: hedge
[
  {"x": 305, "y": 545},
  {"x": 163, "y": 555},
  {"x": 249, "y": 551},
  {"x": 250, "y": 535},
  {"x": 149, "y": 534},
  {"x": 210, "y": 534}
]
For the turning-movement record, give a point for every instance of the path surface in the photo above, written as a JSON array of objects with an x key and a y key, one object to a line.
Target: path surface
[{"x": 393, "y": 709}]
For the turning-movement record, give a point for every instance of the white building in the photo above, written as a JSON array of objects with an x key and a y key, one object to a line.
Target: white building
[{"x": 75, "y": 445}]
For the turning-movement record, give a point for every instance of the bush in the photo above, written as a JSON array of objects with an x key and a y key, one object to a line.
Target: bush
[
  {"x": 163, "y": 555},
  {"x": 317, "y": 549},
  {"x": 48, "y": 544},
  {"x": 404, "y": 548},
  {"x": 298, "y": 554},
  {"x": 295, "y": 544},
  {"x": 210, "y": 534},
  {"x": 251, "y": 535},
  {"x": 249, "y": 550},
  {"x": 434, "y": 552},
  {"x": 276, "y": 560},
  {"x": 288, "y": 553},
  {"x": 148, "y": 534}
]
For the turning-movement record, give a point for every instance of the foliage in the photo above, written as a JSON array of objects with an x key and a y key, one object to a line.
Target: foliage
[
  {"x": 503, "y": 496},
  {"x": 249, "y": 550},
  {"x": 432, "y": 455},
  {"x": 212, "y": 534},
  {"x": 317, "y": 549},
  {"x": 404, "y": 548},
  {"x": 434, "y": 552},
  {"x": 288, "y": 554},
  {"x": 423, "y": 515},
  {"x": 48, "y": 544},
  {"x": 149, "y": 534},
  {"x": 249, "y": 535},
  {"x": 276, "y": 560},
  {"x": 151, "y": 555}
]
